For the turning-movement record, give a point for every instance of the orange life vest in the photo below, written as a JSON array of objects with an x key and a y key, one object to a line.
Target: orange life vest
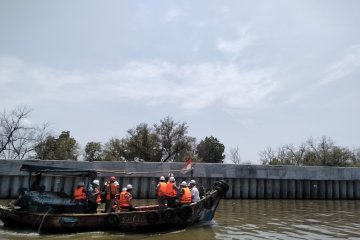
[
  {"x": 162, "y": 189},
  {"x": 186, "y": 196},
  {"x": 79, "y": 193},
  {"x": 125, "y": 199},
  {"x": 98, "y": 198},
  {"x": 117, "y": 202},
  {"x": 170, "y": 191},
  {"x": 110, "y": 191}
]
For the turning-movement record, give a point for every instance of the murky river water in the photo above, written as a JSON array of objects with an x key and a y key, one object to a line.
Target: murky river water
[{"x": 247, "y": 219}]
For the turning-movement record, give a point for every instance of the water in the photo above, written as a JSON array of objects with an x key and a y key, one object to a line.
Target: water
[{"x": 246, "y": 219}]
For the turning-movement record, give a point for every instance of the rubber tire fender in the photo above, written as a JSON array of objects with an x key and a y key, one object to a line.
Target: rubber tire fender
[
  {"x": 217, "y": 183},
  {"x": 219, "y": 189},
  {"x": 168, "y": 215},
  {"x": 185, "y": 212},
  {"x": 153, "y": 217},
  {"x": 22, "y": 203},
  {"x": 224, "y": 185},
  {"x": 221, "y": 186},
  {"x": 209, "y": 202},
  {"x": 112, "y": 220}
]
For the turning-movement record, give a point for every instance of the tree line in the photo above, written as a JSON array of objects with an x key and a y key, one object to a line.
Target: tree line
[
  {"x": 18, "y": 139},
  {"x": 167, "y": 141},
  {"x": 313, "y": 152}
]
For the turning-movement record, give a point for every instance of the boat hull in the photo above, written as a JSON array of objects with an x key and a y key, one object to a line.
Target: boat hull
[{"x": 144, "y": 219}]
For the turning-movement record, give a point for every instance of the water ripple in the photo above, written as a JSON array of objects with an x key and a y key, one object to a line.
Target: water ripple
[
  {"x": 249, "y": 220},
  {"x": 283, "y": 219}
]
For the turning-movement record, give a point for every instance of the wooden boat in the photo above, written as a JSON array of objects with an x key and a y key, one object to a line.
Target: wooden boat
[{"x": 48, "y": 211}]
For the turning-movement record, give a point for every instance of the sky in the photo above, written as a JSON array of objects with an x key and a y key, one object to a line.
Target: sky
[{"x": 253, "y": 74}]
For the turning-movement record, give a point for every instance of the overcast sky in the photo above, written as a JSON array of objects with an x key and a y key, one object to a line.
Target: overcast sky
[{"x": 253, "y": 74}]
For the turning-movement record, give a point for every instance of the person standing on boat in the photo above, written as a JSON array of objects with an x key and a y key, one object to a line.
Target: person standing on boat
[
  {"x": 117, "y": 186},
  {"x": 80, "y": 192},
  {"x": 35, "y": 186},
  {"x": 171, "y": 192},
  {"x": 126, "y": 199},
  {"x": 110, "y": 193},
  {"x": 116, "y": 207},
  {"x": 185, "y": 195},
  {"x": 94, "y": 196},
  {"x": 194, "y": 192},
  {"x": 161, "y": 192}
]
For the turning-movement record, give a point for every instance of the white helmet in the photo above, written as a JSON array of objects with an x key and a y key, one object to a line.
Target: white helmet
[
  {"x": 116, "y": 183},
  {"x": 172, "y": 179},
  {"x": 193, "y": 182},
  {"x": 162, "y": 178},
  {"x": 184, "y": 184},
  {"x": 129, "y": 186},
  {"x": 81, "y": 184},
  {"x": 96, "y": 182},
  {"x": 124, "y": 189}
]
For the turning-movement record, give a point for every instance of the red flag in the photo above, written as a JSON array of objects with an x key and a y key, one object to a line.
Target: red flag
[{"x": 187, "y": 167}]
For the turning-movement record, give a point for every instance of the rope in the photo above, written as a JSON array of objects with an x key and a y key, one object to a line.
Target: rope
[
  {"x": 171, "y": 171},
  {"x": 43, "y": 219},
  {"x": 131, "y": 173},
  {"x": 109, "y": 171},
  {"x": 127, "y": 172}
]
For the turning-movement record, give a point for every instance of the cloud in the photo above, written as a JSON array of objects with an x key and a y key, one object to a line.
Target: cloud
[
  {"x": 235, "y": 46},
  {"x": 344, "y": 67},
  {"x": 26, "y": 123},
  {"x": 225, "y": 11},
  {"x": 8, "y": 69},
  {"x": 189, "y": 86},
  {"x": 173, "y": 15},
  {"x": 199, "y": 23}
]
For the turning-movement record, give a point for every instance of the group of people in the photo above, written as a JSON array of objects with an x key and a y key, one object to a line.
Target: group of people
[
  {"x": 116, "y": 200},
  {"x": 175, "y": 196},
  {"x": 110, "y": 194},
  {"x": 168, "y": 194}
]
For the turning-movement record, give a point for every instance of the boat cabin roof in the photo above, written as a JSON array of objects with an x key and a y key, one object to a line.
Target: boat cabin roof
[{"x": 58, "y": 170}]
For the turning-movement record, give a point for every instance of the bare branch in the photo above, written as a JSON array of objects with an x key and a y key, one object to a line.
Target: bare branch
[
  {"x": 234, "y": 155},
  {"x": 17, "y": 137}
]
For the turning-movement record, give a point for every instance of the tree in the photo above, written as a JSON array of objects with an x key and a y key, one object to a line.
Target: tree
[
  {"x": 285, "y": 155},
  {"x": 295, "y": 156},
  {"x": 234, "y": 155},
  {"x": 115, "y": 150},
  {"x": 313, "y": 152},
  {"x": 174, "y": 142},
  {"x": 268, "y": 156},
  {"x": 211, "y": 150},
  {"x": 18, "y": 137},
  {"x": 46, "y": 149},
  {"x": 93, "y": 151},
  {"x": 328, "y": 154},
  {"x": 341, "y": 157},
  {"x": 143, "y": 144},
  {"x": 310, "y": 159},
  {"x": 62, "y": 148},
  {"x": 356, "y": 157}
]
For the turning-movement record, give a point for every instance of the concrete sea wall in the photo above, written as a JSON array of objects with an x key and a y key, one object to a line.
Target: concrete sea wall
[{"x": 245, "y": 181}]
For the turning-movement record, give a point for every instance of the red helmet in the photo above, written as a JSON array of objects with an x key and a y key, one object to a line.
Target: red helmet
[{"x": 112, "y": 178}]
